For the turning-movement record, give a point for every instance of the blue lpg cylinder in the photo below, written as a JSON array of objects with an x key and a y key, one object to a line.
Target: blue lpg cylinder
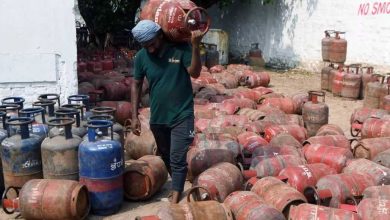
[
  {"x": 40, "y": 129},
  {"x": 21, "y": 154},
  {"x": 83, "y": 99},
  {"x": 101, "y": 168}
]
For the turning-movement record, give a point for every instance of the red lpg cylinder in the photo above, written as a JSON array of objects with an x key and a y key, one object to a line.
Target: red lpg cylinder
[
  {"x": 369, "y": 148},
  {"x": 380, "y": 192},
  {"x": 329, "y": 129},
  {"x": 277, "y": 193},
  {"x": 285, "y": 139},
  {"x": 246, "y": 205},
  {"x": 299, "y": 99},
  {"x": 351, "y": 84},
  {"x": 334, "y": 157},
  {"x": 284, "y": 104},
  {"x": 337, "y": 81},
  {"x": 315, "y": 212},
  {"x": 325, "y": 75},
  {"x": 325, "y": 45},
  {"x": 367, "y": 76},
  {"x": 273, "y": 166},
  {"x": 334, "y": 190},
  {"x": 338, "y": 48},
  {"x": 378, "y": 209},
  {"x": 375, "y": 127},
  {"x": 298, "y": 132},
  {"x": 315, "y": 114},
  {"x": 177, "y": 18},
  {"x": 330, "y": 140},
  {"x": 380, "y": 173},
  {"x": 306, "y": 175},
  {"x": 220, "y": 180},
  {"x": 386, "y": 103},
  {"x": 362, "y": 114}
]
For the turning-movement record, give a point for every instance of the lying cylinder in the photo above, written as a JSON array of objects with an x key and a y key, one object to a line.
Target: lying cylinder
[
  {"x": 306, "y": 175},
  {"x": 380, "y": 192},
  {"x": 334, "y": 157},
  {"x": 380, "y": 173},
  {"x": 248, "y": 205},
  {"x": 285, "y": 139},
  {"x": 308, "y": 211},
  {"x": 50, "y": 199},
  {"x": 298, "y": 132},
  {"x": 210, "y": 152},
  {"x": 329, "y": 129},
  {"x": 330, "y": 140},
  {"x": 284, "y": 104},
  {"x": 383, "y": 158},
  {"x": 204, "y": 210},
  {"x": 60, "y": 153},
  {"x": 272, "y": 166},
  {"x": 220, "y": 180},
  {"x": 144, "y": 177},
  {"x": 369, "y": 148},
  {"x": 375, "y": 127},
  {"x": 374, "y": 209},
  {"x": 333, "y": 190},
  {"x": 278, "y": 194}
]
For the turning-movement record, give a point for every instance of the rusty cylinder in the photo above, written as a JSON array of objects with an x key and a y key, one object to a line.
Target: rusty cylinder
[
  {"x": 220, "y": 180},
  {"x": 298, "y": 132},
  {"x": 330, "y": 140},
  {"x": 139, "y": 146},
  {"x": 325, "y": 75},
  {"x": 380, "y": 192},
  {"x": 299, "y": 99},
  {"x": 285, "y": 104},
  {"x": 315, "y": 212},
  {"x": 334, "y": 157},
  {"x": 374, "y": 91},
  {"x": 204, "y": 210},
  {"x": 285, "y": 139},
  {"x": 315, "y": 114},
  {"x": 144, "y": 177},
  {"x": 272, "y": 166},
  {"x": 378, "y": 209},
  {"x": 60, "y": 153},
  {"x": 369, "y": 148},
  {"x": 360, "y": 115},
  {"x": 367, "y": 76},
  {"x": 344, "y": 188},
  {"x": 248, "y": 205},
  {"x": 338, "y": 48},
  {"x": 177, "y": 18},
  {"x": 325, "y": 44},
  {"x": 351, "y": 85},
  {"x": 278, "y": 194},
  {"x": 306, "y": 175},
  {"x": 383, "y": 158},
  {"x": 329, "y": 129},
  {"x": 380, "y": 173},
  {"x": 50, "y": 199},
  {"x": 375, "y": 127}
]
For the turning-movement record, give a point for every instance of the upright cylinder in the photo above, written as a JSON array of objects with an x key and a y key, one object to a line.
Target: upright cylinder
[
  {"x": 60, "y": 153},
  {"x": 21, "y": 154},
  {"x": 315, "y": 114},
  {"x": 101, "y": 170}
]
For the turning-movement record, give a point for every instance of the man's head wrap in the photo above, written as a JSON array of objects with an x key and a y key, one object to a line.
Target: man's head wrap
[{"x": 145, "y": 30}]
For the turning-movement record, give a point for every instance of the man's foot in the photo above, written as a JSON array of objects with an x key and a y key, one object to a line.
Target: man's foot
[{"x": 175, "y": 197}]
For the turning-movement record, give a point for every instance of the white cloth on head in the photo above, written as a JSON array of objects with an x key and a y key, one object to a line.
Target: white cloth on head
[{"x": 145, "y": 30}]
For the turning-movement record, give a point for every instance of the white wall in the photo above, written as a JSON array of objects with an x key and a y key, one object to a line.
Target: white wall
[
  {"x": 290, "y": 31},
  {"x": 37, "y": 48}
]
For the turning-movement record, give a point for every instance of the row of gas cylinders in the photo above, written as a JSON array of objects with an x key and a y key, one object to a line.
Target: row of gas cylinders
[
  {"x": 354, "y": 81},
  {"x": 63, "y": 145},
  {"x": 333, "y": 47}
]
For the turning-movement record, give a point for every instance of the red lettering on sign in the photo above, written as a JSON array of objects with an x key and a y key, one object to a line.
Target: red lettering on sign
[
  {"x": 363, "y": 9},
  {"x": 376, "y": 9}
]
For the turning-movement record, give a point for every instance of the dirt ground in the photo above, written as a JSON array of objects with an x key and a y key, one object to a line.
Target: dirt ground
[{"x": 290, "y": 82}]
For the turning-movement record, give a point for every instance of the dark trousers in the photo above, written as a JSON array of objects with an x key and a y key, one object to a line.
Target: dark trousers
[{"x": 172, "y": 144}]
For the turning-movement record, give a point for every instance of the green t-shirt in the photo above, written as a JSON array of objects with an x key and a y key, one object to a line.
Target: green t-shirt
[{"x": 171, "y": 98}]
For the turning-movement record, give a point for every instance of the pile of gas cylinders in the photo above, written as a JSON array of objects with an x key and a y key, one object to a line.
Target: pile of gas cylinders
[
  {"x": 63, "y": 162},
  {"x": 351, "y": 81},
  {"x": 259, "y": 155}
]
